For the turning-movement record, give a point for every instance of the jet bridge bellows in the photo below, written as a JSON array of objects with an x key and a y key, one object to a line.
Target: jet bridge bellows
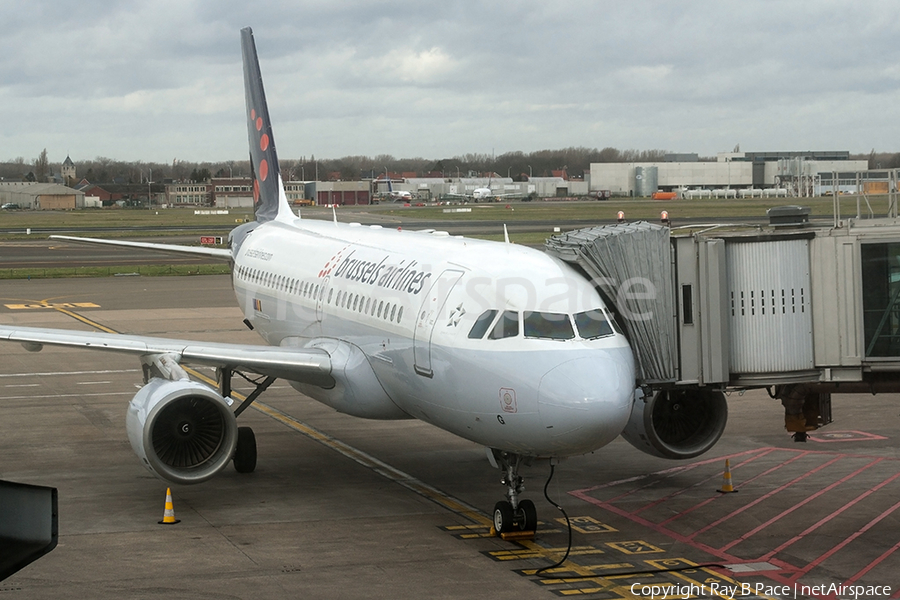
[
  {"x": 631, "y": 266},
  {"x": 812, "y": 310}
]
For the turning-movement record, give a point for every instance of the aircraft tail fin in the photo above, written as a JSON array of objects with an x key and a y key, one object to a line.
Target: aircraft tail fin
[{"x": 270, "y": 201}]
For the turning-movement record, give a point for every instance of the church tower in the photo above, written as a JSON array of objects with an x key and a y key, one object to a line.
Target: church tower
[{"x": 68, "y": 171}]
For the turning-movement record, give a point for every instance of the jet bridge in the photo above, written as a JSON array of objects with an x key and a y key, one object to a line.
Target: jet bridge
[{"x": 801, "y": 310}]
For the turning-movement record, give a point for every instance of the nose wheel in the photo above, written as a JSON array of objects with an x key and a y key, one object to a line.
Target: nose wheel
[
  {"x": 507, "y": 518},
  {"x": 512, "y": 514}
]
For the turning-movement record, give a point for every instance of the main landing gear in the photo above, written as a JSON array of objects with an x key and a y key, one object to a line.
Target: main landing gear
[
  {"x": 512, "y": 514},
  {"x": 245, "y": 451}
]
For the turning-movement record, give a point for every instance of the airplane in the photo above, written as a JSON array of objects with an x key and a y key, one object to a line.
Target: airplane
[
  {"x": 500, "y": 344},
  {"x": 398, "y": 195},
  {"x": 482, "y": 194}
]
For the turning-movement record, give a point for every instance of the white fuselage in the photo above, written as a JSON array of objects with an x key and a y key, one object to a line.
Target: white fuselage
[{"x": 404, "y": 309}]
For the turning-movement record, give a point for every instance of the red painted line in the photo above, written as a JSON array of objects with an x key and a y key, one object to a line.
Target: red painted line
[
  {"x": 805, "y": 501},
  {"x": 828, "y": 554},
  {"x": 874, "y": 564},
  {"x": 824, "y": 520},
  {"x": 723, "y": 556},
  {"x": 717, "y": 496},
  {"x": 698, "y": 484},
  {"x": 651, "y": 525},
  {"x": 670, "y": 473},
  {"x": 678, "y": 469},
  {"x": 780, "y": 488},
  {"x": 861, "y": 436}
]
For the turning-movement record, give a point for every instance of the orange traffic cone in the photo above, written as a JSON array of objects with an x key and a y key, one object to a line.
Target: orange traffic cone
[
  {"x": 169, "y": 514},
  {"x": 727, "y": 488}
]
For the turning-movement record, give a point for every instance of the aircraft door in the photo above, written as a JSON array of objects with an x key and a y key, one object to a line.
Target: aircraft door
[
  {"x": 431, "y": 309},
  {"x": 320, "y": 298}
]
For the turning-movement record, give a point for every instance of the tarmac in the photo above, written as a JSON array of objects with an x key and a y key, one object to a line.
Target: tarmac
[{"x": 341, "y": 507}]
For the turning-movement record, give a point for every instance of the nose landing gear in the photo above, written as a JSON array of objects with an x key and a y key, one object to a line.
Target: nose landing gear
[{"x": 512, "y": 514}]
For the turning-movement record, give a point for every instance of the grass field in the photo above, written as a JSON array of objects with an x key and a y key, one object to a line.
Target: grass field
[{"x": 162, "y": 222}]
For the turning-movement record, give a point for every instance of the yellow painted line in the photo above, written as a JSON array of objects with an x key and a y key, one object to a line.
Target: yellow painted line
[
  {"x": 370, "y": 462},
  {"x": 43, "y": 305},
  {"x": 366, "y": 460},
  {"x": 85, "y": 320}
]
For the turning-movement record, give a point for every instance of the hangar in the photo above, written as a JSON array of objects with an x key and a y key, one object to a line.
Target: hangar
[{"x": 41, "y": 196}]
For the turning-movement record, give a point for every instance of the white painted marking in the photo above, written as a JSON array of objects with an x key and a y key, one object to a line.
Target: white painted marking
[
  {"x": 64, "y": 396},
  {"x": 3, "y": 375}
]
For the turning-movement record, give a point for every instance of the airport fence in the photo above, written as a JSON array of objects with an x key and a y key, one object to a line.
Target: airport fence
[{"x": 120, "y": 271}]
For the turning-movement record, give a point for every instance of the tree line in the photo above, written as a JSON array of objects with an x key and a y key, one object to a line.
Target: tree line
[{"x": 518, "y": 165}]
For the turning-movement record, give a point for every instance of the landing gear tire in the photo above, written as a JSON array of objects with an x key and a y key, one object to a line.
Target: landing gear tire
[
  {"x": 527, "y": 520},
  {"x": 245, "y": 451},
  {"x": 503, "y": 517}
]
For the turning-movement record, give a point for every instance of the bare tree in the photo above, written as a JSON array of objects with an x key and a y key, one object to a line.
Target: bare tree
[{"x": 41, "y": 167}]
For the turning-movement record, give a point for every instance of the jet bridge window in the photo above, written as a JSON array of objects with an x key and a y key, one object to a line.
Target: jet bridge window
[
  {"x": 507, "y": 326},
  {"x": 881, "y": 298},
  {"x": 481, "y": 324},
  {"x": 592, "y": 324},
  {"x": 553, "y": 326}
]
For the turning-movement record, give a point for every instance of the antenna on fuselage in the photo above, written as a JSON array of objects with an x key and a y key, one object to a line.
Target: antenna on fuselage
[
  {"x": 334, "y": 213},
  {"x": 505, "y": 234}
]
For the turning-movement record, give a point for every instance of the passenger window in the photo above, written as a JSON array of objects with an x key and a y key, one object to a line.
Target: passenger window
[
  {"x": 507, "y": 326},
  {"x": 553, "y": 326},
  {"x": 481, "y": 324},
  {"x": 592, "y": 324}
]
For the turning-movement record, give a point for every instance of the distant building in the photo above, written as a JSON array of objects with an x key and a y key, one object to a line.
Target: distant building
[
  {"x": 40, "y": 196},
  {"x": 791, "y": 172},
  {"x": 231, "y": 192},
  {"x": 188, "y": 193},
  {"x": 68, "y": 171}
]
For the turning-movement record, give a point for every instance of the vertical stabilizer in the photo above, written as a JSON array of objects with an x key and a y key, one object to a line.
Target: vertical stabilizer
[{"x": 269, "y": 199}]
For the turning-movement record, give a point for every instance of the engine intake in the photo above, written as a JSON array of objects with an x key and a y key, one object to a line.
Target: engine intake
[
  {"x": 676, "y": 423},
  {"x": 183, "y": 431}
]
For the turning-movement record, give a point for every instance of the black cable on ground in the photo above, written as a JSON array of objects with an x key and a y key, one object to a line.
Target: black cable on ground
[{"x": 540, "y": 572}]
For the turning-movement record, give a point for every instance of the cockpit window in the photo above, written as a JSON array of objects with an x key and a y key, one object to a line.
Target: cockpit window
[
  {"x": 481, "y": 324},
  {"x": 554, "y": 326},
  {"x": 592, "y": 324},
  {"x": 507, "y": 326}
]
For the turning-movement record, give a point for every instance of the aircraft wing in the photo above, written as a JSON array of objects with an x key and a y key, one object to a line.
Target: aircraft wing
[
  {"x": 216, "y": 253},
  {"x": 307, "y": 365}
]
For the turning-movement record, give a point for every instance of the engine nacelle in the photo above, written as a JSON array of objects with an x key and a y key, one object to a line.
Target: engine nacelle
[
  {"x": 182, "y": 431},
  {"x": 676, "y": 423}
]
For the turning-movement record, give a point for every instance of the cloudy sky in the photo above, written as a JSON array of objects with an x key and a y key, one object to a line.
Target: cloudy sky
[{"x": 156, "y": 80}]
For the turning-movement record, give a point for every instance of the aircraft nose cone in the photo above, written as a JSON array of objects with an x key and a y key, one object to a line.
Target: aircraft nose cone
[{"x": 585, "y": 402}]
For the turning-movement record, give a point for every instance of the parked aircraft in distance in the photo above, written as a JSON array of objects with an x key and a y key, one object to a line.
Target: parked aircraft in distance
[{"x": 500, "y": 344}]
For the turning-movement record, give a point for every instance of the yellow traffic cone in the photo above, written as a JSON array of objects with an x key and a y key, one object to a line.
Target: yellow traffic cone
[
  {"x": 727, "y": 488},
  {"x": 169, "y": 514}
]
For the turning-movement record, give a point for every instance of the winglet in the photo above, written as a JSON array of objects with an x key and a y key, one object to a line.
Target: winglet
[{"x": 270, "y": 201}]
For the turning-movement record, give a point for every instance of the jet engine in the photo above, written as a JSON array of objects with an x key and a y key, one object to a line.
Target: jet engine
[
  {"x": 183, "y": 431},
  {"x": 676, "y": 423}
]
